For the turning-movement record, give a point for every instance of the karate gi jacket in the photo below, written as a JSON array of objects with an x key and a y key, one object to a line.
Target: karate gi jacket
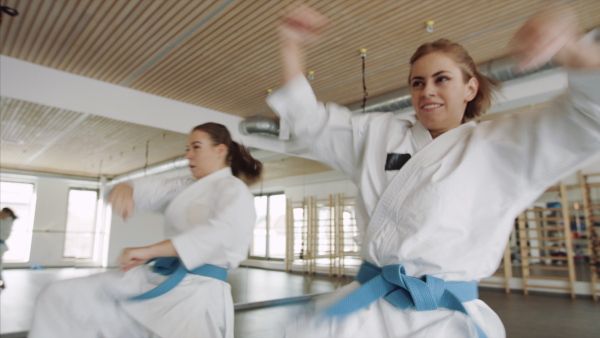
[
  {"x": 449, "y": 211},
  {"x": 210, "y": 221}
]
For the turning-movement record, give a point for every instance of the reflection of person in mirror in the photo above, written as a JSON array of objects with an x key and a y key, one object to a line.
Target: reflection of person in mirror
[
  {"x": 210, "y": 220},
  {"x": 7, "y": 217},
  {"x": 436, "y": 222}
]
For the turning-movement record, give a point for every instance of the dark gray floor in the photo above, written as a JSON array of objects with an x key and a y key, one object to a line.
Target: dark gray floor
[
  {"x": 544, "y": 315},
  {"x": 536, "y": 315}
]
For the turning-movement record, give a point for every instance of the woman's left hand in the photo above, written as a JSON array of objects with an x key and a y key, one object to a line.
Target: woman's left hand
[
  {"x": 554, "y": 35},
  {"x": 132, "y": 257}
]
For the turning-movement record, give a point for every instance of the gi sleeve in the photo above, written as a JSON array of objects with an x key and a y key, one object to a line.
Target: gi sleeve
[
  {"x": 545, "y": 146},
  {"x": 225, "y": 234},
  {"x": 327, "y": 130},
  {"x": 153, "y": 194}
]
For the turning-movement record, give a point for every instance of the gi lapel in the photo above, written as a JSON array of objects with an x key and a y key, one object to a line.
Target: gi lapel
[
  {"x": 429, "y": 151},
  {"x": 189, "y": 193}
]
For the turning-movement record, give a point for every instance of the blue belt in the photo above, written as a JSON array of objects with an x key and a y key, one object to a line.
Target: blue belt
[
  {"x": 392, "y": 283},
  {"x": 174, "y": 267}
]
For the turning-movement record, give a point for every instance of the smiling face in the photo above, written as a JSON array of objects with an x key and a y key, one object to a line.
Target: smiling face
[
  {"x": 439, "y": 92},
  {"x": 204, "y": 157}
]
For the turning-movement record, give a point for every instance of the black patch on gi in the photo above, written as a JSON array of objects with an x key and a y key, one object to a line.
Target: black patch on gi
[{"x": 396, "y": 161}]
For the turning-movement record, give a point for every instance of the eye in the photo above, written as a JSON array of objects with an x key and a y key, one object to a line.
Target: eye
[
  {"x": 196, "y": 147},
  {"x": 442, "y": 79},
  {"x": 417, "y": 84}
]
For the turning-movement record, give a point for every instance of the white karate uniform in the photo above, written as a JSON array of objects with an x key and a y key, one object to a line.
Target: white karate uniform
[
  {"x": 211, "y": 222},
  {"x": 5, "y": 229},
  {"x": 449, "y": 210}
]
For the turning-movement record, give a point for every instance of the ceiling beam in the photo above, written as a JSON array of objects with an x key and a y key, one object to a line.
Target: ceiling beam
[{"x": 43, "y": 85}]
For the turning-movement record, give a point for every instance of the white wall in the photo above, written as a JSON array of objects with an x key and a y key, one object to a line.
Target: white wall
[
  {"x": 140, "y": 230},
  {"x": 50, "y": 217},
  {"x": 49, "y": 223},
  {"x": 296, "y": 187}
]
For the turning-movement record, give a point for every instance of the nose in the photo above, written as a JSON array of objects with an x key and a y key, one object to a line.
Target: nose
[
  {"x": 188, "y": 154},
  {"x": 429, "y": 89}
]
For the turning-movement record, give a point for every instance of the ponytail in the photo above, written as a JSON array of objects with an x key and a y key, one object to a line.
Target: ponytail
[{"x": 243, "y": 165}]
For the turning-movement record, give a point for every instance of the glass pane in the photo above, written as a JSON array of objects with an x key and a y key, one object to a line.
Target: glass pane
[
  {"x": 19, "y": 198},
  {"x": 277, "y": 226},
  {"x": 81, "y": 224},
  {"x": 17, "y": 193},
  {"x": 259, "y": 240}
]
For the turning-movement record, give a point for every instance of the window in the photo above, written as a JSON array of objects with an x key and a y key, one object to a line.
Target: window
[
  {"x": 20, "y": 197},
  {"x": 269, "y": 233},
  {"x": 81, "y": 224}
]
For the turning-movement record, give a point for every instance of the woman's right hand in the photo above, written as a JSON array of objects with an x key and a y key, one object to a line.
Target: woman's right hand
[
  {"x": 298, "y": 26},
  {"x": 121, "y": 198},
  {"x": 301, "y": 24}
]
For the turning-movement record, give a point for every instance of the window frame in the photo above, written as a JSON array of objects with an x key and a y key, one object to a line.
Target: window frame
[
  {"x": 31, "y": 217},
  {"x": 267, "y": 230},
  {"x": 97, "y": 211}
]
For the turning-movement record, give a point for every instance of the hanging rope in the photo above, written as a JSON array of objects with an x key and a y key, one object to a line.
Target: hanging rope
[
  {"x": 363, "y": 56},
  {"x": 146, "y": 165}
]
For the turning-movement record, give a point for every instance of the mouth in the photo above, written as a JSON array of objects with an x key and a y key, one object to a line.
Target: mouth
[{"x": 431, "y": 106}]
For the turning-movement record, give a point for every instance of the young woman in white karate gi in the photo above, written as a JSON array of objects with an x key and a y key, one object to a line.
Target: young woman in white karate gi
[
  {"x": 211, "y": 219},
  {"x": 438, "y": 197},
  {"x": 7, "y": 217}
]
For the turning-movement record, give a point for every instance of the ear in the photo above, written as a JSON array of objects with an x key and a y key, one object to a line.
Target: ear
[
  {"x": 222, "y": 150},
  {"x": 472, "y": 88}
]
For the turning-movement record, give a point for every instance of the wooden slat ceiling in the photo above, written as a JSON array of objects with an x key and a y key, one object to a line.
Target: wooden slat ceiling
[
  {"x": 45, "y": 139},
  {"x": 291, "y": 166},
  {"x": 222, "y": 55},
  {"x": 66, "y": 142}
]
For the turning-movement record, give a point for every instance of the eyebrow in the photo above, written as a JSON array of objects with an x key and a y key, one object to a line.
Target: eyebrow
[
  {"x": 196, "y": 142},
  {"x": 434, "y": 75}
]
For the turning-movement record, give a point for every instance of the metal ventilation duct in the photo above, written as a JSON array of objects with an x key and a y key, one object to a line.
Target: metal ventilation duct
[
  {"x": 259, "y": 126},
  {"x": 177, "y": 163},
  {"x": 501, "y": 69}
]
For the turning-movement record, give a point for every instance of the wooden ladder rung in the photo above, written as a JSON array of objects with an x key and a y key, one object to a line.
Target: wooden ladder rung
[
  {"x": 549, "y": 287},
  {"x": 560, "y": 258},
  {"x": 492, "y": 283},
  {"x": 545, "y": 247},
  {"x": 546, "y": 229},
  {"x": 556, "y": 219},
  {"x": 553, "y": 268},
  {"x": 543, "y": 209},
  {"x": 546, "y": 277}
]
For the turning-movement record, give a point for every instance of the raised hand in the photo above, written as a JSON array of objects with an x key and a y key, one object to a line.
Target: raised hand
[
  {"x": 121, "y": 198},
  {"x": 302, "y": 24},
  {"x": 554, "y": 35}
]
